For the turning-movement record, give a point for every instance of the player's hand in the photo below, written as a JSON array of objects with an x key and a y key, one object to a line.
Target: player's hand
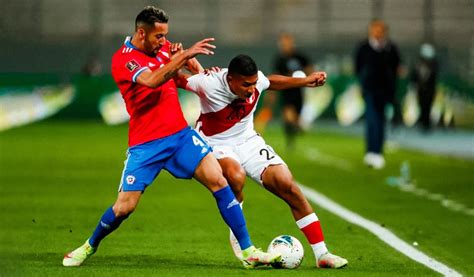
[
  {"x": 203, "y": 47},
  {"x": 317, "y": 79},
  {"x": 208, "y": 71},
  {"x": 176, "y": 47}
]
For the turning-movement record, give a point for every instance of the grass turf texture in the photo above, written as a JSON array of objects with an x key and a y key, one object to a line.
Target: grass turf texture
[{"x": 57, "y": 178}]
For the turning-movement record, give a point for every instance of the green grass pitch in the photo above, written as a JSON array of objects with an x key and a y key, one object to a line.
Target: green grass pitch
[{"x": 58, "y": 177}]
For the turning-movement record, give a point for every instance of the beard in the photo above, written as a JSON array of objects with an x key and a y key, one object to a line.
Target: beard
[{"x": 149, "y": 49}]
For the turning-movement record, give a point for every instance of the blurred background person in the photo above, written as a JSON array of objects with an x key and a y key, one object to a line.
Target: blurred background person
[
  {"x": 92, "y": 67},
  {"x": 290, "y": 62},
  {"x": 424, "y": 76},
  {"x": 377, "y": 63}
]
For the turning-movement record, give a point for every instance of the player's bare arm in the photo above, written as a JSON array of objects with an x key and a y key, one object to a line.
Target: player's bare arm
[
  {"x": 160, "y": 76},
  {"x": 280, "y": 82},
  {"x": 192, "y": 66}
]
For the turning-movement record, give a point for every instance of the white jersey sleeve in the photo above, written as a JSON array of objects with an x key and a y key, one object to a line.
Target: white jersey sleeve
[
  {"x": 196, "y": 83},
  {"x": 200, "y": 84},
  {"x": 263, "y": 82}
]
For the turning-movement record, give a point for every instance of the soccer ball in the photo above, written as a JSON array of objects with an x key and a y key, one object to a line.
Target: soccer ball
[{"x": 291, "y": 250}]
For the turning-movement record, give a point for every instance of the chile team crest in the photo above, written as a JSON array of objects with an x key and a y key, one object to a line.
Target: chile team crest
[{"x": 130, "y": 179}]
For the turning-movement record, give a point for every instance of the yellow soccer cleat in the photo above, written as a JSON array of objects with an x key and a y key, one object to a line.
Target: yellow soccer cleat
[
  {"x": 253, "y": 257},
  {"x": 78, "y": 256}
]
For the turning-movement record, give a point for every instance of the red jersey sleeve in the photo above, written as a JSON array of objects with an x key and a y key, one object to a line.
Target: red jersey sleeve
[
  {"x": 126, "y": 65},
  {"x": 181, "y": 82}
]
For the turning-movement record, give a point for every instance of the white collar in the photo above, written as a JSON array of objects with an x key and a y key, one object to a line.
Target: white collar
[{"x": 377, "y": 45}]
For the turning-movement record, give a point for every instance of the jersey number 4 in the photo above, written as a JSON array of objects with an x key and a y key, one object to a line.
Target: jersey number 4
[{"x": 198, "y": 141}]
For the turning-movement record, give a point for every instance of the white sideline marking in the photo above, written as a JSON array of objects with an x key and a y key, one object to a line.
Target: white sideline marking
[
  {"x": 445, "y": 202},
  {"x": 381, "y": 232},
  {"x": 315, "y": 155}
]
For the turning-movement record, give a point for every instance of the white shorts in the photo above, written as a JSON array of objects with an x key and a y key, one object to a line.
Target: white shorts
[{"x": 254, "y": 155}]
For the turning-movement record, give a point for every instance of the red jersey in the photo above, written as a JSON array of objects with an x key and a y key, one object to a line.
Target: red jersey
[{"x": 154, "y": 112}]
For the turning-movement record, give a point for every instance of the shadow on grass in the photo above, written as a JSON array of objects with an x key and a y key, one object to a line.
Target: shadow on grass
[{"x": 46, "y": 262}]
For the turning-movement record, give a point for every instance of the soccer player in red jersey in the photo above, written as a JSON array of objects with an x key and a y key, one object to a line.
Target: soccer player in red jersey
[{"x": 159, "y": 138}]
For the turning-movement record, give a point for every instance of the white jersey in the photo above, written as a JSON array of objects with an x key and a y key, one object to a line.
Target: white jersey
[
  {"x": 224, "y": 118},
  {"x": 226, "y": 122}
]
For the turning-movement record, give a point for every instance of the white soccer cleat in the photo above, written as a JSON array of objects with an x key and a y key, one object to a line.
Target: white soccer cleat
[
  {"x": 257, "y": 257},
  {"x": 329, "y": 260},
  {"x": 234, "y": 243},
  {"x": 78, "y": 256},
  {"x": 374, "y": 160}
]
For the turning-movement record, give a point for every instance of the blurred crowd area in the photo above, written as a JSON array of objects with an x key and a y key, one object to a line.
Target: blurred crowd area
[
  {"x": 53, "y": 41},
  {"x": 60, "y": 36}
]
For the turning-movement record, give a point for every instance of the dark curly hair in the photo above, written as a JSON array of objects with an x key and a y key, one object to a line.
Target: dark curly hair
[{"x": 149, "y": 15}]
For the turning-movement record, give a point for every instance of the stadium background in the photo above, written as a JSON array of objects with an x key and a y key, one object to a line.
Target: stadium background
[
  {"x": 58, "y": 175},
  {"x": 51, "y": 41},
  {"x": 40, "y": 35}
]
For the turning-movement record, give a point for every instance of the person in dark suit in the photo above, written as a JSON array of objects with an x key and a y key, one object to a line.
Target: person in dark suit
[
  {"x": 377, "y": 63},
  {"x": 424, "y": 76},
  {"x": 290, "y": 62}
]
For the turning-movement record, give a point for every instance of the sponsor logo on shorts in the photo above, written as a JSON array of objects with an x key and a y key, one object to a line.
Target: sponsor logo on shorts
[{"x": 130, "y": 179}]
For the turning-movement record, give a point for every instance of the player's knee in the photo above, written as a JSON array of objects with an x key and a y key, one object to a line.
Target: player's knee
[
  {"x": 124, "y": 208},
  {"x": 124, "y": 211},
  {"x": 219, "y": 182}
]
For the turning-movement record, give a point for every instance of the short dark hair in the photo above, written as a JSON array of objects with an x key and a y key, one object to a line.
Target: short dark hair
[
  {"x": 243, "y": 65},
  {"x": 149, "y": 15}
]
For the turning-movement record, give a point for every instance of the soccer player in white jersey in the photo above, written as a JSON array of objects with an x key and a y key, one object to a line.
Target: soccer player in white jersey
[{"x": 228, "y": 101}]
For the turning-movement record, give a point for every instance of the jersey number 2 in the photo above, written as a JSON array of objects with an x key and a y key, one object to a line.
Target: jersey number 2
[{"x": 267, "y": 153}]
